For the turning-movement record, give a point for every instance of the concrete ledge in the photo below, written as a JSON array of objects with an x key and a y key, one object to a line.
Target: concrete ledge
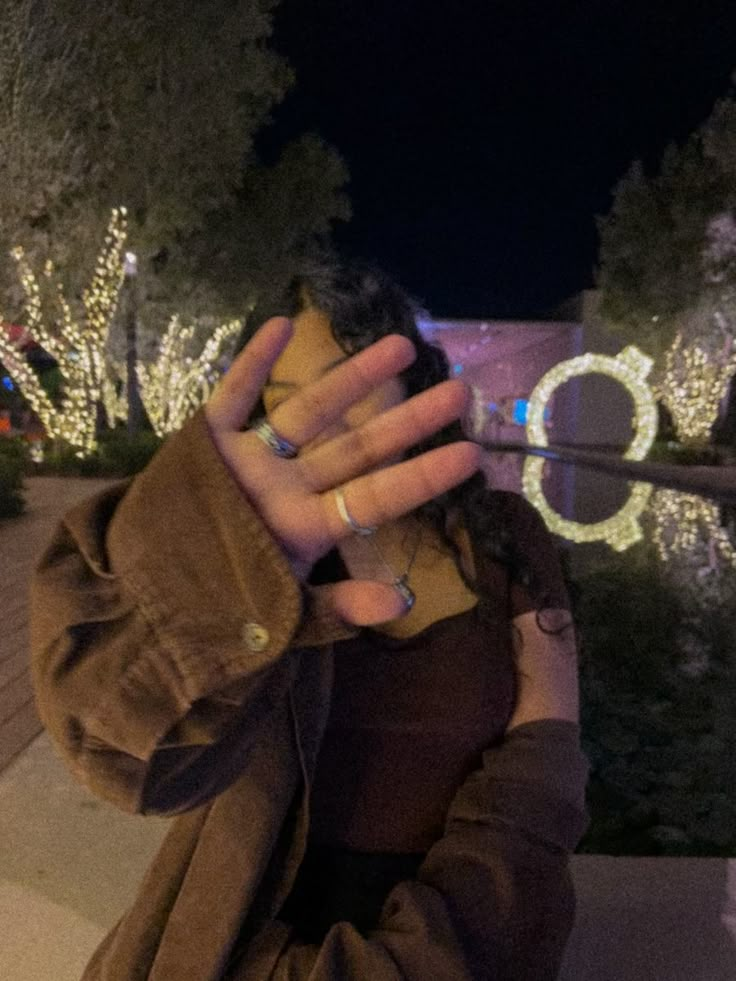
[{"x": 653, "y": 919}]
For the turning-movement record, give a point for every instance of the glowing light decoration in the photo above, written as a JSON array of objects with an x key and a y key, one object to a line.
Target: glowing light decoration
[
  {"x": 687, "y": 529},
  {"x": 36, "y": 452},
  {"x": 77, "y": 348},
  {"x": 176, "y": 384},
  {"x": 631, "y": 368},
  {"x": 693, "y": 386}
]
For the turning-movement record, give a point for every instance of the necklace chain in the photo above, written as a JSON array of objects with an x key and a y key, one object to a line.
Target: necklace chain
[{"x": 400, "y": 583}]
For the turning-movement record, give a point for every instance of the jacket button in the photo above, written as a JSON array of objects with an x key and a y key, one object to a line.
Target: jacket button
[{"x": 256, "y": 637}]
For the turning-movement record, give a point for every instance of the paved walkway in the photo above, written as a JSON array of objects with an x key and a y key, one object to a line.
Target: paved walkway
[
  {"x": 21, "y": 542},
  {"x": 69, "y": 864}
]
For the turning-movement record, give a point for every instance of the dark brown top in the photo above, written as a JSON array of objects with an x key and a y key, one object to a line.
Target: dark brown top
[{"x": 411, "y": 717}]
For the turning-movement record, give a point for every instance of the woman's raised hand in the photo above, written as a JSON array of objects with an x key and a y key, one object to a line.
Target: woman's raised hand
[{"x": 295, "y": 497}]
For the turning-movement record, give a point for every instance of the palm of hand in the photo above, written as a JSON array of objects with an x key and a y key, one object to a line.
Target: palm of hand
[
  {"x": 278, "y": 489},
  {"x": 295, "y": 497}
]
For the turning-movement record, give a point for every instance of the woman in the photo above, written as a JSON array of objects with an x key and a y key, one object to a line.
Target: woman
[{"x": 342, "y": 660}]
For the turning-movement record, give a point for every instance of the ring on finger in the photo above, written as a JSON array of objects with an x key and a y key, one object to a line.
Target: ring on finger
[
  {"x": 277, "y": 444},
  {"x": 348, "y": 518}
]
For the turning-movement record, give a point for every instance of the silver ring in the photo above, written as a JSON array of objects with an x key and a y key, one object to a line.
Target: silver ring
[
  {"x": 345, "y": 515},
  {"x": 277, "y": 444}
]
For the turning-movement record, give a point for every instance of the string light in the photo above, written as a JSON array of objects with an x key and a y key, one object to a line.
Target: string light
[
  {"x": 687, "y": 527},
  {"x": 631, "y": 368},
  {"x": 77, "y": 348},
  {"x": 176, "y": 384},
  {"x": 172, "y": 388},
  {"x": 693, "y": 387}
]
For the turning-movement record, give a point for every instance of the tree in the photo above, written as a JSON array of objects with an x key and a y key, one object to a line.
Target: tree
[
  {"x": 667, "y": 278},
  {"x": 155, "y": 107},
  {"x": 93, "y": 390},
  {"x": 280, "y": 214},
  {"x": 77, "y": 346},
  {"x": 41, "y": 164},
  {"x": 652, "y": 243},
  {"x": 667, "y": 273},
  {"x": 180, "y": 380}
]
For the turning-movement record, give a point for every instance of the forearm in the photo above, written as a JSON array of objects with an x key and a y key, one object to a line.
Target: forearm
[
  {"x": 493, "y": 900},
  {"x": 140, "y": 609},
  {"x": 545, "y": 655}
]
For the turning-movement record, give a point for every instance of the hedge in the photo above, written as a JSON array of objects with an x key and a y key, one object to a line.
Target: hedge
[{"x": 13, "y": 461}]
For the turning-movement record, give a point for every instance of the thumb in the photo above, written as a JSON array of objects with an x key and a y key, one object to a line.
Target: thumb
[{"x": 363, "y": 602}]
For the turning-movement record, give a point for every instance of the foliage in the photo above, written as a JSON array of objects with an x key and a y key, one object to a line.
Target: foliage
[
  {"x": 117, "y": 455},
  {"x": 281, "y": 213},
  {"x": 122, "y": 455},
  {"x": 667, "y": 275},
  {"x": 12, "y": 462},
  {"x": 659, "y": 739},
  {"x": 684, "y": 455},
  {"x": 78, "y": 348},
  {"x": 155, "y": 107},
  {"x": 654, "y": 242},
  {"x": 627, "y": 615}
]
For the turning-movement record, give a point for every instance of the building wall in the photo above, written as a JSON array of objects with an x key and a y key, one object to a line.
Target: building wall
[{"x": 504, "y": 361}]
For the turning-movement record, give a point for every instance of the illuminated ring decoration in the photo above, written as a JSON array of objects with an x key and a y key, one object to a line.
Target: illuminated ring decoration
[{"x": 630, "y": 368}]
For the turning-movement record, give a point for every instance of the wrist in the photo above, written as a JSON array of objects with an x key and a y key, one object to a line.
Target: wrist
[{"x": 536, "y": 705}]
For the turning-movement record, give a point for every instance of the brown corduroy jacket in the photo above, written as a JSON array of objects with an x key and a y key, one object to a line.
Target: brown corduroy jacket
[{"x": 181, "y": 669}]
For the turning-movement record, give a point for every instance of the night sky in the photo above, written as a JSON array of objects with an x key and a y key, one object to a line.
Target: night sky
[{"x": 483, "y": 137}]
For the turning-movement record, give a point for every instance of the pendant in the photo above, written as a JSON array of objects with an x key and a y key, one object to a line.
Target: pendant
[{"x": 401, "y": 585}]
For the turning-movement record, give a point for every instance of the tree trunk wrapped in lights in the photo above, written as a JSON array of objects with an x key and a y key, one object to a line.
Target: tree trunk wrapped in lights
[
  {"x": 699, "y": 558},
  {"x": 78, "y": 348},
  {"x": 176, "y": 383},
  {"x": 172, "y": 387},
  {"x": 701, "y": 361},
  {"x": 694, "y": 383}
]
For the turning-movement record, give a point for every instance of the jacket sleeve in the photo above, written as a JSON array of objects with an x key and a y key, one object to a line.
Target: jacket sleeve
[
  {"x": 144, "y": 609},
  {"x": 493, "y": 900}
]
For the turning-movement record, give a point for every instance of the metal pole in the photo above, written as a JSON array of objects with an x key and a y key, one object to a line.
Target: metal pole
[
  {"x": 135, "y": 406},
  {"x": 718, "y": 483}
]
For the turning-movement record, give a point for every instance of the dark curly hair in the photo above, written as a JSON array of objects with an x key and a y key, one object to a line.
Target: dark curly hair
[{"x": 362, "y": 305}]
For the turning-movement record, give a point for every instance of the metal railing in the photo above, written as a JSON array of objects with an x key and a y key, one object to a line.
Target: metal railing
[{"x": 718, "y": 483}]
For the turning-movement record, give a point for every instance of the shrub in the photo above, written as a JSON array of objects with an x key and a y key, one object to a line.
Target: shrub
[
  {"x": 704, "y": 455},
  {"x": 660, "y": 741},
  {"x": 117, "y": 455},
  {"x": 627, "y": 612},
  {"x": 123, "y": 455},
  {"x": 12, "y": 464}
]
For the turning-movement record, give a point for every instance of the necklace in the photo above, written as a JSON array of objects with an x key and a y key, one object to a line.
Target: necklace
[{"x": 400, "y": 583}]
